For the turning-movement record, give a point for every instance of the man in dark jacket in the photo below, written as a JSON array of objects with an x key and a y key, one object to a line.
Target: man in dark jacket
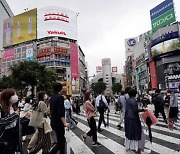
[
  {"x": 58, "y": 121},
  {"x": 159, "y": 104}
]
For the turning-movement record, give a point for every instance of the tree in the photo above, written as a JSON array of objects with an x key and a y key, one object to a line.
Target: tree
[
  {"x": 116, "y": 88},
  {"x": 31, "y": 73},
  {"x": 98, "y": 87}
]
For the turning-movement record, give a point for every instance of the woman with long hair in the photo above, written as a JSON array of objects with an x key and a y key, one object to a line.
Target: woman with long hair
[
  {"x": 9, "y": 135},
  {"x": 44, "y": 140},
  {"x": 90, "y": 114}
]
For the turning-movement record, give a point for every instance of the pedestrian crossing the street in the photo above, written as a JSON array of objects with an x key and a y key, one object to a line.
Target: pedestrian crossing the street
[{"x": 112, "y": 139}]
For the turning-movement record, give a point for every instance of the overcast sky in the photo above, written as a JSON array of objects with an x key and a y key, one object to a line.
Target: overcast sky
[{"x": 103, "y": 25}]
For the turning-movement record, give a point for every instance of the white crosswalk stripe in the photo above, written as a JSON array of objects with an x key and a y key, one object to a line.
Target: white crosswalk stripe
[
  {"x": 112, "y": 139},
  {"x": 163, "y": 144}
]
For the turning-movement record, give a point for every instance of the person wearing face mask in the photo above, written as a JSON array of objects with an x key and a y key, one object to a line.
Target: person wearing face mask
[{"x": 8, "y": 122}]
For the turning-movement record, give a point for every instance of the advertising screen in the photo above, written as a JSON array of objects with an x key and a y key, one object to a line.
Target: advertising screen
[
  {"x": 162, "y": 15},
  {"x": 172, "y": 74},
  {"x": 24, "y": 27},
  {"x": 164, "y": 47},
  {"x": 56, "y": 21},
  {"x": 8, "y": 32}
]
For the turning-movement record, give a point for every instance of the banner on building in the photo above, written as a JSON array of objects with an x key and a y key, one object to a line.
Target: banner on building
[
  {"x": 74, "y": 68},
  {"x": 130, "y": 43},
  {"x": 8, "y": 32},
  {"x": 8, "y": 54},
  {"x": 29, "y": 54},
  {"x": 98, "y": 69},
  {"x": 56, "y": 21},
  {"x": 162, "y": 15},
  {"x": 165, "y": 33},
  {"x": 20, "y": 28},
  {"x": 172, "y": 74},
  {"x": 153, "y": 73}
]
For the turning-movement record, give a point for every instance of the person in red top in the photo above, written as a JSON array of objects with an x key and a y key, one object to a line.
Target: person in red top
[{"x": 90, "y": 114}]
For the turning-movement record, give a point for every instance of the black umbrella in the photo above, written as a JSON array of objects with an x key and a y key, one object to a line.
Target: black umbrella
[{"x": 149, "y": 123}]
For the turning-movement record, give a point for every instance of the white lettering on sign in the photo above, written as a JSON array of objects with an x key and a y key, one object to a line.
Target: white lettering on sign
[
  {"x": 161, "y": 21},
  {"x": 171, "y": 77}
]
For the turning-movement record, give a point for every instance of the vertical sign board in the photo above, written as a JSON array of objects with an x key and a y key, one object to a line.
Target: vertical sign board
[
  {"x": 162, "y": 15},
  {"x": 74, "y": 68},
  {"x": 29, "y": 54},
  {"x": 153, "y": 73}
]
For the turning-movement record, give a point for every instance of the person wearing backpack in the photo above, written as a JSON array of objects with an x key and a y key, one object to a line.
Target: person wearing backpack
[
  {"x": 158, "y": 102},
  {"x": 101, "y": 106}
]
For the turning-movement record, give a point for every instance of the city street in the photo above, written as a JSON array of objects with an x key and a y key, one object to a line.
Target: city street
[{"x": 112, "y": 139}]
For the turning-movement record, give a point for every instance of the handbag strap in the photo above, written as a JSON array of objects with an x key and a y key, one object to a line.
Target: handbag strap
[{"x": 39, "y": 105}]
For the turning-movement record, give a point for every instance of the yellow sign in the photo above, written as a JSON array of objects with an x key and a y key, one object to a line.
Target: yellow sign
[
  {"x": 24, "y": 27},
  {"x": 68, "y": 88}
]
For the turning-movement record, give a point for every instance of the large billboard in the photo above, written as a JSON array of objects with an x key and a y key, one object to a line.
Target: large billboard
[
  {"x": 24, "y": 28},
  {"x": 56, "y": 21},
  {"x": 172, "y": 74},
  {"x": 8, "y": 32},
  {"x": 20, "y": 28},
  {"x": 165, "y": 33},
  {"x": 165, "y": 47},
  {"x": 162, "y": 15}
]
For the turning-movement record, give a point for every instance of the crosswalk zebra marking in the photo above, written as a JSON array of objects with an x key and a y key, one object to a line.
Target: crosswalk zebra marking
[
  {"x": 76, "y": 144},
  {"x": 154, "y": 146},
  {"x": 114, "y": 146}
]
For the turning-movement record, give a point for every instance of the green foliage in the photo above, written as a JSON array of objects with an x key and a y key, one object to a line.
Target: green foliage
[
  {"x": 31, "y": 73},
  {"x": 98, "y": 87},
  {"x": 116, "y": 88}
]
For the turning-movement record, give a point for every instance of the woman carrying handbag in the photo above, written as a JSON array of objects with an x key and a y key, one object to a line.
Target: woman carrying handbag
[{"x": 43, "y": 139}]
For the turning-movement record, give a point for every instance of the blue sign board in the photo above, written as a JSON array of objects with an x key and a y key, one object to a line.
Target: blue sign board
[{"x": 161, "y": 9}]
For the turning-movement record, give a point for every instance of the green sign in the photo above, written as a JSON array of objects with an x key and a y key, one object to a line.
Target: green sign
[{"x": 163, "y": 20}]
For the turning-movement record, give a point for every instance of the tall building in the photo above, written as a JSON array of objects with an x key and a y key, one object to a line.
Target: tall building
[
  {"x": 108, "y": 75},
  {"x": 49, "y": 36}
]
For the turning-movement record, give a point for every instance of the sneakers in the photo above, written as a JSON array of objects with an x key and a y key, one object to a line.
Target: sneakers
[
  {"x": 97, "y": 144},
  {"x": 146, "y": 151},
  {"x": 83, "y": 138}
]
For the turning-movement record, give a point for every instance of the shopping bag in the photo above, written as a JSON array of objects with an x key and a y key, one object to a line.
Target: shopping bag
[
  {"x": 36, "y": 118},
  {"x": 47, "y": 126},
  {"x": 151, "y": 115}
]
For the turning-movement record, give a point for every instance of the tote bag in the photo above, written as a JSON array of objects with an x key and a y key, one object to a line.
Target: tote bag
[
  {"x": 36, "y": 118},
  {"x": 150, "y": 115}
]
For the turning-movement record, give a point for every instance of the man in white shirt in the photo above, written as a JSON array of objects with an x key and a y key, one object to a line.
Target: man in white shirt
[{"x": 101, "y": 110}]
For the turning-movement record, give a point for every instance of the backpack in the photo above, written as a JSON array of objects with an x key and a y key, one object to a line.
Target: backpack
[{"x": 102, "y": 105}]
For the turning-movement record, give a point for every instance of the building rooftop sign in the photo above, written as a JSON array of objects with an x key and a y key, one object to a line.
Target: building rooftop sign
[{"x": 162, "y": 15}]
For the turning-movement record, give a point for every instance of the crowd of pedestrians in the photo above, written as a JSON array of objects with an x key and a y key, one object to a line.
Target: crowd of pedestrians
[{"x": 42, "y": 123}]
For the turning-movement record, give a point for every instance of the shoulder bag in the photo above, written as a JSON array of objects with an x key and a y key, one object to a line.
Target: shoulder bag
[{"x": 36, "y": 118}]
